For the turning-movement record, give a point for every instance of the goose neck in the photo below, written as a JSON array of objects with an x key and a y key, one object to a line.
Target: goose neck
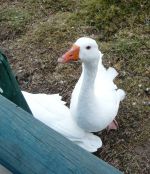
[{"x": 89, "y": 73}]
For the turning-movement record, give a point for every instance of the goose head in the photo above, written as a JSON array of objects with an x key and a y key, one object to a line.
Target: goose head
[{"x": 84, "y": 49}]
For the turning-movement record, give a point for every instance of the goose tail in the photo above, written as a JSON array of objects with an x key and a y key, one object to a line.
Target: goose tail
[{"x": 90, "y": 142}]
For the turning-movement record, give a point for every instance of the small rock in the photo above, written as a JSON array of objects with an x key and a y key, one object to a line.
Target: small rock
[
  {"x": 147, "y": 89},
  {"x": 61, "y": 82},
  {"x": 140, "y": 85},
  {"x": 146, "y": 103},
  {"x": 123, "y": 73},
  {"x": 134, "y": 103},
  {"x": 19, "y": 71}
]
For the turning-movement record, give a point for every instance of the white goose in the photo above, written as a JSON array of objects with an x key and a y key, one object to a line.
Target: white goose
[
  {"x": 50, "y": 110},
  {"x": 95, "y": 99}
]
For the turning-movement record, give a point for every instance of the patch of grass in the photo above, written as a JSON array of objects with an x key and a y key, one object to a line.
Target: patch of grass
[
  {"x": 108, "y": 17},
  {"x": 56, "y": 6},
  {"x": 15, "y": 17},
  {"x": 128, "y": 51},
  {"x": 55, "y": 29},
  {"x": 60, "y": 5},
  {"x": 13, "y": 21}
]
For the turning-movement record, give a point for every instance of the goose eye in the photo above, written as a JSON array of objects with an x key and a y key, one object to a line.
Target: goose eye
[{"x": 88, "y": 47}]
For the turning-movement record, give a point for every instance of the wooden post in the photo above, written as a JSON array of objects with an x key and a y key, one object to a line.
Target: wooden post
[{"x": 27, "y": 146}]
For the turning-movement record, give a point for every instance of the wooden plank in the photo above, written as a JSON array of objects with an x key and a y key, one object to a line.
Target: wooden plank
[{"x": 27, "y": 146}]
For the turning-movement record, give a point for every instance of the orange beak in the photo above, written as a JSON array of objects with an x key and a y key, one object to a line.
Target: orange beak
[{"x": 71, "y": 55}]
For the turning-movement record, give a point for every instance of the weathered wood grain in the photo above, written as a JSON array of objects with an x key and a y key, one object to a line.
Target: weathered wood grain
[{"x": 27, "y": 146}]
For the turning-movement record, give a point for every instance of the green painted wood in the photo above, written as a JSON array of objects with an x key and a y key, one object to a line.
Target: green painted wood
[
  {"x": 27, "y": 146},
  {"x": 8, "y": 85}
]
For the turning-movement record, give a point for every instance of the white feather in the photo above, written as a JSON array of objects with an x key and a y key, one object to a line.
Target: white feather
[{"x": 50, "y": 110}]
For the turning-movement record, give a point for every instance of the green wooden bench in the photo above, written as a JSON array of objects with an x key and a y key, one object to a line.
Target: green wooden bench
[
  {"x": 27, "y": 146},
  {"x": 8, "y": 85}
]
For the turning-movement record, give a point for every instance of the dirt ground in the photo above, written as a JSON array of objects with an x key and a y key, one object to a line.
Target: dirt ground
[{"x": 33, "y": 34}]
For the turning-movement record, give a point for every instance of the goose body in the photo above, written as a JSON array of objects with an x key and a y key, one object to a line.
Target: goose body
[
  {"x": 94, "y": 108},
  {"x": 95, "y": 98},
  {"x": 51, "y": 110}
]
